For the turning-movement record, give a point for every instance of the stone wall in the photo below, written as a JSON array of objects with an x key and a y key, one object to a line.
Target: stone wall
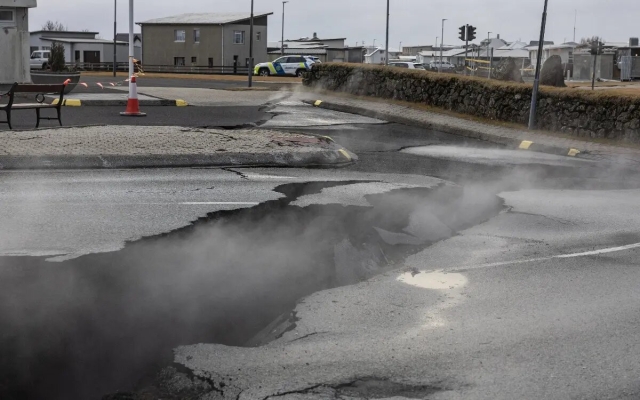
[{"x": 575, "y": 111}]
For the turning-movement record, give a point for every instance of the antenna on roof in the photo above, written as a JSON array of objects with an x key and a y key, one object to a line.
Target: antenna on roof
[{"x": 575, "y": 22}]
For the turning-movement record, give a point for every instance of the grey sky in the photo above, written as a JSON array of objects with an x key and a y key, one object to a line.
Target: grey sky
[{"x": 412, "y": 21}]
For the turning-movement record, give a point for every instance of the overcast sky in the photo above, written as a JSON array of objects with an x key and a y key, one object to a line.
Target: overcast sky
[{"x": 414, "y": 22}]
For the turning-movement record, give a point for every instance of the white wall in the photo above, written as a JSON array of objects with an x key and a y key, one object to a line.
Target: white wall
[{"x": 14, "y": 42}]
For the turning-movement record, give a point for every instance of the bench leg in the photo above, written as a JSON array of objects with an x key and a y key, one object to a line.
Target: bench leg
[
  {"x": 38, "y": 117},
  {"x": 59, "y": 110},
  {"x": 8, "y": 111}
]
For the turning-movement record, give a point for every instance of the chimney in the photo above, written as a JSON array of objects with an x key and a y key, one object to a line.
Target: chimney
[
  {"x": 633, "y": 42},
  {"x": 315, "y": 35},
  {"x": 498, "y": 36}
]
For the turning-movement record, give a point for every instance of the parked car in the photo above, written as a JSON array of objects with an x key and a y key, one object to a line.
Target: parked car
[
  {"x": 40, "y": 59},
  {"x": 406, "y": 64},
  {"x": 287, "y": 65},
  {"x": 446, "y": 66}
]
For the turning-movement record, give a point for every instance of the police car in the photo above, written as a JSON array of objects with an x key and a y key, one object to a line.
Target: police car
[{"x": 287, "y": 65}]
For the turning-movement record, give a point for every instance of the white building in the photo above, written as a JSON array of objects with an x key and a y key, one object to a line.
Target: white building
[
  {"x": 565, "y": 51},
  {"x": 378, "y": 55},
  {"x": 83, "y": 47},
  {"x": 14, "y": 40}
]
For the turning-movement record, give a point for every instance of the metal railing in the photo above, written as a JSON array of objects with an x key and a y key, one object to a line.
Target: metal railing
[{"x": 170, "y": 69}]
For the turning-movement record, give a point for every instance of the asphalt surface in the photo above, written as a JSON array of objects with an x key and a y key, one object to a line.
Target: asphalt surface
[
  {"x": 520, "y": 283},
  {"x": 156, "y": 116},
  {"x": 145, "y": 81}
]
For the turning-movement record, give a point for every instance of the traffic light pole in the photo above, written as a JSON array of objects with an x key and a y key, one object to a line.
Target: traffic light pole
[
  {"x": 466, "y": 47},
  {"x": 536, "y": 81}
]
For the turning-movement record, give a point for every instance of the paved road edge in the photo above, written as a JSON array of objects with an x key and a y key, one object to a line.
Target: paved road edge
[
  {"x": 123, "y": 103},
  {"x": 508, "y": 142},
  {"x": 330, "y": 158}
]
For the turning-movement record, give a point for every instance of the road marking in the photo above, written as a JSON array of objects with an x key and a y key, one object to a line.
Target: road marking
[
  {"x": 317, "y": 103},
  {"x": 525, "y": 145},
  {"x": 219, "y": 203},
  {"x": 562, "y": 256},
  {"x": 181, "y": 103},
  {"x": 573, "y": 152}
]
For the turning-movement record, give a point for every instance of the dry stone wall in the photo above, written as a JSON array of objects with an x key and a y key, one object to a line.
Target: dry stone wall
[{"x": 578, "y": 112}]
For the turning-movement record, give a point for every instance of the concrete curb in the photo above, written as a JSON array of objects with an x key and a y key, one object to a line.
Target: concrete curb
[
  {"x": 330, "y": 158},
  {"x": 507, "y": 142},
  {"x": 123, "y": 103}
]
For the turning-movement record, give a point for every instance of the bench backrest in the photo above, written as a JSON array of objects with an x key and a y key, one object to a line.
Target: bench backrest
[{"x": 34, "y": 88}]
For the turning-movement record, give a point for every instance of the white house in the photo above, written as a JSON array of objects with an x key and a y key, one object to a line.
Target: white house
[
  {"x": 14, "y": 40},
  {"x": 565, "y": 51},
  {"x": 378, "y": 55},
  {"x": 83, "y": 47}
]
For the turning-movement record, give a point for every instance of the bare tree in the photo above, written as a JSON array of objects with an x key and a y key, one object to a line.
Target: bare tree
[
  {"x": 54, "y": 26},
  {"x": 591, "y": 41}
]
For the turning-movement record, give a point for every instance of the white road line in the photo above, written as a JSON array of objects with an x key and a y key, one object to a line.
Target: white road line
[
  {"x": 218, "y": 203},
  {"x": 562, "y": 256}
]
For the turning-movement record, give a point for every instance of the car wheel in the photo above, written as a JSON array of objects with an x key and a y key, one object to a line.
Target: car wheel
[
  {"x": 299, "y": 73},
  {"x": 44, "y": 66},
  {"x": 264, "y": 72}
]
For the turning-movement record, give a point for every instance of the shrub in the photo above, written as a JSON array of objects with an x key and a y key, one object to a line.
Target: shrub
[{"x": 57, "y": 60}]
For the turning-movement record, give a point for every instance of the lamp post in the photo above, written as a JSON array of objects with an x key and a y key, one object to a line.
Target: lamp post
[
  {"x": 488, "y": 43},
  {"x": 441, "y": 44},
  {"x": 251, "y": 48},
  {"x": 131, "y": 49},
  {"x": 386, "y": 51},
  {"x": 536, "y": 81},
  {"x": 437, "y": 38},
  {"x": 282, "y": 42},
  {"x": 115, "y": 34}
]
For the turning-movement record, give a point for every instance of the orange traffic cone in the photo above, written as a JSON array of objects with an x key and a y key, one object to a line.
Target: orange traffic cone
[{"x": 133, "y": 105}]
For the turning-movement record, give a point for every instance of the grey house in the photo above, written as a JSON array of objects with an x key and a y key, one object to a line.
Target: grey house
[
  {"x": 203, "y": 40},
  {"x": 14, "y": 40}
]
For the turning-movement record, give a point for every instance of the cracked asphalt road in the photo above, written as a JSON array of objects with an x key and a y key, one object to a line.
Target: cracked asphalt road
[{"x": 538, "y": 300}]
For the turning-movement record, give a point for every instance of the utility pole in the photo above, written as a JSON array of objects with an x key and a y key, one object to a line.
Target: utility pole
[
  {"x": 575, "y": 22},
  {"x": 466, "y": 47},
  {"x": 491, "y": 63},
  {"x": 386, "y": 52},
  {"x": 282, "y": 42},
  {"x": 437, "y": 38},
  {"x": 536, "y": 81},
  {"x": 441, "y": 45},
  {"x": 131, "y": 49},
  {"x": 115, "y": 34},
  {"x": 251, "y": 48}
]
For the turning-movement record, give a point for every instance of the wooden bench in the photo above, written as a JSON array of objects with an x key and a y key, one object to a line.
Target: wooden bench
[{"x": 40, "y": 91}]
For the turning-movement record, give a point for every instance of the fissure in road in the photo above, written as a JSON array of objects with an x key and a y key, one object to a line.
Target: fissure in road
[{"x": 106, "y": 323}]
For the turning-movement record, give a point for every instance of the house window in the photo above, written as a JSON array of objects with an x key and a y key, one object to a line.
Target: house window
[
  {"x": 194, "y": 60},
  {"x": 33, "y": 48},
  {"x": 180, "y": 35},
  {"x": 178, "y": 61},
  {"x": 196, "y": 36},
  {"x": 570, "y": 57},
  {"x": 6, "y": 16},
  {"x": 77, "y": 55},
  {"x": 258, "y": 36},
  {"x": 210, "y": 62},
  {"x": 238, "y": 37}
]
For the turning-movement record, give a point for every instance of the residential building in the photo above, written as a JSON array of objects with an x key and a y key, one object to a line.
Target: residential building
[
  {"x": 82, "y": 47},
  {"x": 378, "y": 55},
  {"x": 14, "y": 40},
  {"x": 335, "y": 43},
  {"x": 415, "y": 50},
  {"x": 137, "y": 42},
  {"x": 565, "y": 51},
  {"x": 204, "y": 40}
]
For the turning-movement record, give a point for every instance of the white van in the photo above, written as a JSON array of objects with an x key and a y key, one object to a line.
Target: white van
[{"x": 40, "y": 59}]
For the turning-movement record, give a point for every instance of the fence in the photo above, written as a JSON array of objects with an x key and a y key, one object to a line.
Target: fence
[{"x": 170, "y": 69}]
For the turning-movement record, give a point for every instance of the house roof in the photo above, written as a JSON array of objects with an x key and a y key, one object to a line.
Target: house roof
[
  {"x": 65, "y": 32},
  {"x": 296, "y": 52},
  {"x": 74, "y": 40},
  {"x": 203, "y": 19}
]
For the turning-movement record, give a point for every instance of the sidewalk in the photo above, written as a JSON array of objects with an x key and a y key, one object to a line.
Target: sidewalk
[
  {"x": 410, "y": 114},
  {"x": 157, "y": 147}
]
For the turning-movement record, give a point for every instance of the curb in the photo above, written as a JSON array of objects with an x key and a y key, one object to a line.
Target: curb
[
  {"x": 508, "y": 142},
  {"x": 144, "y": 103},
  {"x": 334, "y": 158}
]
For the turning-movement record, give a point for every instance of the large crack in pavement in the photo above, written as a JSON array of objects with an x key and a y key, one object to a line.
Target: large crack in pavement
[{"x": 108, "y": 322}]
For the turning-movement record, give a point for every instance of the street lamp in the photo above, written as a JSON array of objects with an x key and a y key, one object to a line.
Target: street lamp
[
  {"x": 386, "y": 51},
  {"x": 488, "y": 43},
  {"x": 115, "y": 34},
  {"x": 437, "y": 38},
  {"x": 282, "y": 43},
  {"x": 536, "y": 81},
  {"x": 251, "y": 48},
  {"x": 441, "y": 44}
]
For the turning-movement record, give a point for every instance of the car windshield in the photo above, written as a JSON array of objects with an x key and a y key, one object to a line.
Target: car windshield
[{"x": 281, "y": 59}]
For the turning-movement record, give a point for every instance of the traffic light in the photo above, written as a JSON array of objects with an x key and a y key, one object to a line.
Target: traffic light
[
  {"x": 471, "y": 33},
  {"x": 463, "y": 33}
]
